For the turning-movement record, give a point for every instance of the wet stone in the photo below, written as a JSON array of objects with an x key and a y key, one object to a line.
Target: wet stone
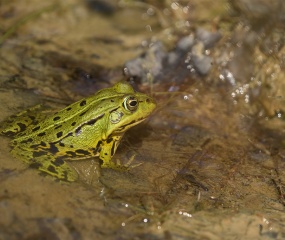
[{"x": 209, "y": 39}]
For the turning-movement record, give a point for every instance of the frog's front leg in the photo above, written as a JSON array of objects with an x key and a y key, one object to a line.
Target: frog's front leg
[{"x": 108, "y": 149}]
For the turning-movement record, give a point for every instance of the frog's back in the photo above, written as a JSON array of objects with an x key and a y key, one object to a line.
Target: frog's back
[
  {"x": 25, "y": 123},
  {"x": 53, "y": 127}
]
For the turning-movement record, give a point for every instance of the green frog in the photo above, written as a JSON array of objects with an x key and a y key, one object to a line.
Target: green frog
[{"x": 90, "y": 127}]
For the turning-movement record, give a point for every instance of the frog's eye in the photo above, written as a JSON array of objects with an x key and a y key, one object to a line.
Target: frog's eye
[{"x": 131, "y": 103}]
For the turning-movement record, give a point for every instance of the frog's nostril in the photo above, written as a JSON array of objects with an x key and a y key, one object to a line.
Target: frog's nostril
[{"x": 148, "y": 100}]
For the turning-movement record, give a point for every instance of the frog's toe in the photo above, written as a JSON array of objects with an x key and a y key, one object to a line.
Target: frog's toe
[
  {"x": 129, "y": 164},
  {"x": 122, "y": 166}
]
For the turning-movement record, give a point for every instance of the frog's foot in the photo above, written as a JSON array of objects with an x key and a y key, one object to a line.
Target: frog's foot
[
  {"x": 122, "y": 167},
  {"x": 57, "y": 168}
]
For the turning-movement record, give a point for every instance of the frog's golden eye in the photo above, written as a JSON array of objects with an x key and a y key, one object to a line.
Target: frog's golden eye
[{"x": 131, "y": 103}]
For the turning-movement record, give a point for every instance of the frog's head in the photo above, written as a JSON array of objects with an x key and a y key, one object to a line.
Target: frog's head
[{"x": 133, "y": 108}]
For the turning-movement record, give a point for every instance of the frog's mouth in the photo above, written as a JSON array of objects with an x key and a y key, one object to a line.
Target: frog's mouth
[{"x": 129, "y": 125}]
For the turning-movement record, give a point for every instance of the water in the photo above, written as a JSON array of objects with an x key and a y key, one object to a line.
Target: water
[{"x": 212, "y": 153}]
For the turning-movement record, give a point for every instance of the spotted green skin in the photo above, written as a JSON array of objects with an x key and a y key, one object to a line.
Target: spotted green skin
[{"x": 90, "y": 127}]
